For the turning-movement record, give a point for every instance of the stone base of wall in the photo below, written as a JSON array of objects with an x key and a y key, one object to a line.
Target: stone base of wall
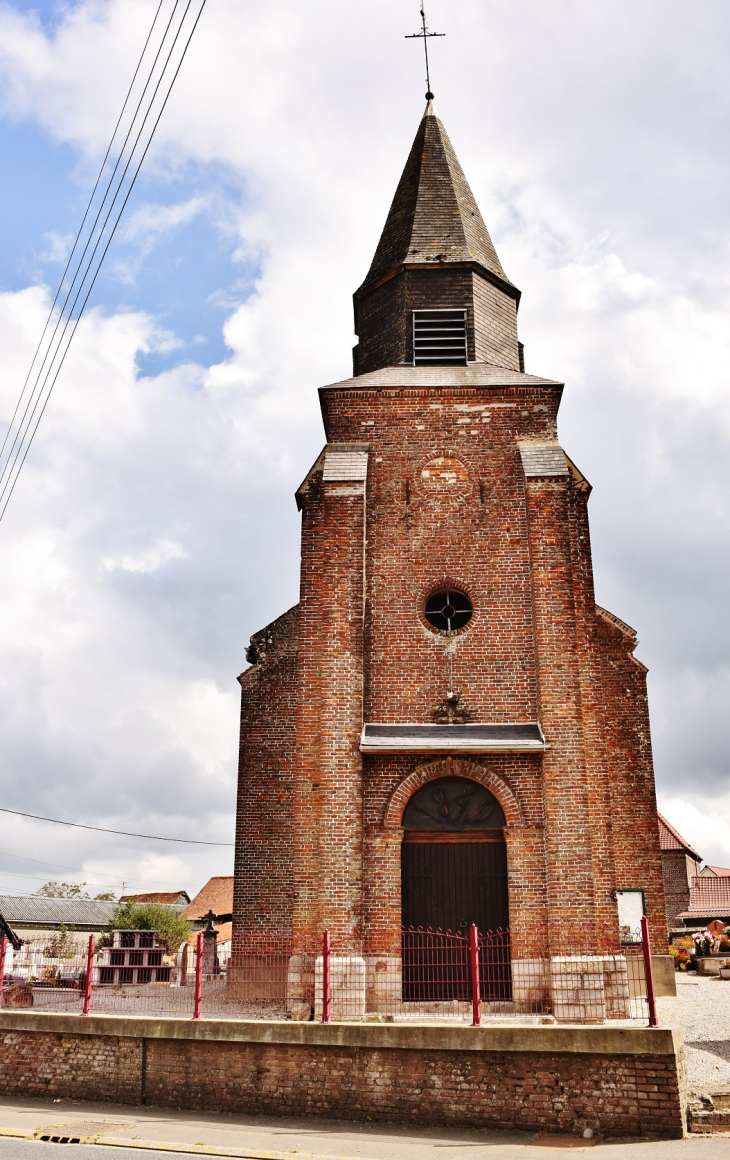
[{"x": 618, "y": 1081}]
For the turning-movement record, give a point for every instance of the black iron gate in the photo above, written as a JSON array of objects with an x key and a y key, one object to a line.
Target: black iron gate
[{"x": 446, "y": 887}]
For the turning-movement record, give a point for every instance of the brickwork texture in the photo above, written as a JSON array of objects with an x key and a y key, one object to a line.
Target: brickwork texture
[
  {"x": 318, "y": 842},
  {"x": 627, "y": 1095}
]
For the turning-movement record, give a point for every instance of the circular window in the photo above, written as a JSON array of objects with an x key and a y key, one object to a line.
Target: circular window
[{"x": 448, "y": 610}]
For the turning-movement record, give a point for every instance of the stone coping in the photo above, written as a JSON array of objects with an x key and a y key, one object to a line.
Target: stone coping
[{"x": 571, "y": 1038}]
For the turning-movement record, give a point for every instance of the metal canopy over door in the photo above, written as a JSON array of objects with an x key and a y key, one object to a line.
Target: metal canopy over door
[{"x": 453, "y": 874}]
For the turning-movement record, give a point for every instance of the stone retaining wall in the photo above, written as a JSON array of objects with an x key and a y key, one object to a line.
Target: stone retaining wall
[{"x": 627, "y": 1081}]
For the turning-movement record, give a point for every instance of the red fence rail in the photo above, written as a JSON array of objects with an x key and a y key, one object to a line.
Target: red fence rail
[{"x": 437, "y": 975}]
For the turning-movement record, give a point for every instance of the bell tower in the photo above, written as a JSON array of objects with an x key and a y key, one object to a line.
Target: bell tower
[
  {"x": 447, "y": 706},
  {"x": 435, "y": 293}
]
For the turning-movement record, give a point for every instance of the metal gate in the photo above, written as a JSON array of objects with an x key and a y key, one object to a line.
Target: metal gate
[{"x": 446, "y": 886}]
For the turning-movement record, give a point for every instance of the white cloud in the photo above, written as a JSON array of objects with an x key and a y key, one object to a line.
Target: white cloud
[
  {"x": 148, "y": 559},
  {"x": 58, "y": 248},
  {"x": 707, "y": 831},
  {"x": 154, "y": 527}
]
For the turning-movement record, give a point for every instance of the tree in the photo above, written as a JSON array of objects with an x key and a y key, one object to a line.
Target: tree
[
  {"x": 170, "y": 927},
  {"x": 105, "y": 896},
  {"x": 62, "y": 890}
]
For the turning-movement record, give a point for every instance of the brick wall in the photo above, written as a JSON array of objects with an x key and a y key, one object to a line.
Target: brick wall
[
  {"x": 622, "y": 1092},
  {"x": 86, "y": 1067},
  {"x": 536, "y": 650},
  {"x": 677, "y": 870},
  {"x": 263, "y": 883}
]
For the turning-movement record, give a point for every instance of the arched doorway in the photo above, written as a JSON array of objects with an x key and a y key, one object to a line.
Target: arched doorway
[
  {"x": 453, "y": 874},
  {"x": 454, "y": 860}
]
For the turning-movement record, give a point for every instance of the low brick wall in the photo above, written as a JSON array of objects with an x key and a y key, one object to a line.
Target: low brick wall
[{"x": 627, "y": 1081}]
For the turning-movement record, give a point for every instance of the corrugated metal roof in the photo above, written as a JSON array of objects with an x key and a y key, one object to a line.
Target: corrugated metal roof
[{"x": 20, "y": 908}]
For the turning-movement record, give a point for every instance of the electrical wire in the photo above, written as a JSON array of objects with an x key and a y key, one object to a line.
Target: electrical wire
[
  {"x": 11, "y": 460},
  {"x": 40, "y": 390},
  {"x": 73, "y": 869},
  {"x": 79, "y": 232},
  {"x": 123, "y": 833},
  {"x": 21, "y": 445},
  {"x": 44, "y": 878}
]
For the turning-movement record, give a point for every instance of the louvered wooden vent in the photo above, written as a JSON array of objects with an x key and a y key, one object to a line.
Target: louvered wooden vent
[{"x": 439, "y": 338}]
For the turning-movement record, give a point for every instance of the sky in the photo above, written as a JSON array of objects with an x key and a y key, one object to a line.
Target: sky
[{"x": 154, "y": 526}]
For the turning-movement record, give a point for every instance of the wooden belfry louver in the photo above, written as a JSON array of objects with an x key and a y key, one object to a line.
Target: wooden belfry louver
[{"x": 446, "y": 730}]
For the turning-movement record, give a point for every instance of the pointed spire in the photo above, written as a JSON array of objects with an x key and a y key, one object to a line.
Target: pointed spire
[
  {"x": 434, "y": 218},
  {"x": 434, "y": 256}
]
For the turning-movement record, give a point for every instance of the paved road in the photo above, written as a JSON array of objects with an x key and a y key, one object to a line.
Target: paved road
[{"x": 260, "y": 1137}]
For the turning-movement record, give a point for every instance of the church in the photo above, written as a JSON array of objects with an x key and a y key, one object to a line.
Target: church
[{"x": 447, "y": 729}]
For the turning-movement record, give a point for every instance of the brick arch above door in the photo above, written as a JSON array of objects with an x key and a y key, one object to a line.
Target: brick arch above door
[{"x": 451, "y": 767}]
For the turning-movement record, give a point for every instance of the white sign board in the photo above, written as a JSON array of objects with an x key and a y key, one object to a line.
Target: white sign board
[{"x": 630, "y": 914}]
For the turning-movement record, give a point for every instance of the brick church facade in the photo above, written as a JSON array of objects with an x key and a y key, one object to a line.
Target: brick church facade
[{"x": 446, "y": 729}]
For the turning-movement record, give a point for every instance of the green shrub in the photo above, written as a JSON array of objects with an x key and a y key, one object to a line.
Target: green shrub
[{"x": 170, "y": 927}]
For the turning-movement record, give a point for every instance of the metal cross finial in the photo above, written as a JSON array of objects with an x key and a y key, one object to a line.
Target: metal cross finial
[{"x": 424, "y": 35}]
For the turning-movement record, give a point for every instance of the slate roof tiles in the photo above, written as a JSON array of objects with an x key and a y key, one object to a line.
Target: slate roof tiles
[{"x": 434, "y": 216}]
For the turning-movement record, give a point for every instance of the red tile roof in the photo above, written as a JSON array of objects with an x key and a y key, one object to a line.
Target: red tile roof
[
  {"x": 169, "y": 897},
  {"x": 670, "y": 839},
  {"x": 708, "y": 898},
  {"x": 216, "y": 895},
  {"x": 717, "y": 871},
  {"x": 225, "y": 934}
]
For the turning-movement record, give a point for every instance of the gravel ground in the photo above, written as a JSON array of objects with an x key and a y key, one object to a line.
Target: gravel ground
[{"x": 702, "y": 1010}]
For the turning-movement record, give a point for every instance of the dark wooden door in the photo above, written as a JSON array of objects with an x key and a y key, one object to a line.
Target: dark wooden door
[
  {"x": 450, "y": 885},
  {"x": 447, "y": 886}
]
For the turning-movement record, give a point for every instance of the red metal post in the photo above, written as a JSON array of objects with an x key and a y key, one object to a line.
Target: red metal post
[
  {"x": 476, "y": 996},
  {"x": 3, "y": 949},
  {"x": 89, "y": 974},
  {"x": 198, "y": 976},
  {"x": 326, "y": 1018},
  {"x": 648, "y": 973}
]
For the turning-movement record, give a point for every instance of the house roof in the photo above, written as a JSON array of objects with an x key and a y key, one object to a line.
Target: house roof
[
  {"x": 708, "y": 898},
  {"x": 223, "y": 929},
  {"x": 670, "y": 839},
  {"x": 9, "y": 934},
  {"x": 167, "y": 897},
  {"x": 216, "y": 895},
  {"x": 434, "y": 217},
  {"x": 31, "y": 908},
  {"x": 714, "y": 871}
]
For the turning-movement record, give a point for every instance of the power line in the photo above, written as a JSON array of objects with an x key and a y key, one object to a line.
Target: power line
[
  {"x": 11, "y": 460},
  {"x": 79, "y": 232},
  {"x": 38, "y": 390},
  {"x": 44, "y": 878},
  {"x": 73, "y": 869},
  {"x": 23, "y": 440},
  {"x": 122, "y": 833}
]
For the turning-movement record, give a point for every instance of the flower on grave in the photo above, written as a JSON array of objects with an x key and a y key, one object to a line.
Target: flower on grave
[{"x": 704, "y": 941}]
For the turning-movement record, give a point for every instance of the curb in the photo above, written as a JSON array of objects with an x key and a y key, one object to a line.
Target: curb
[
  {"x": 163, "y": 1146},
  {"x": 205, "y": 1150}
]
